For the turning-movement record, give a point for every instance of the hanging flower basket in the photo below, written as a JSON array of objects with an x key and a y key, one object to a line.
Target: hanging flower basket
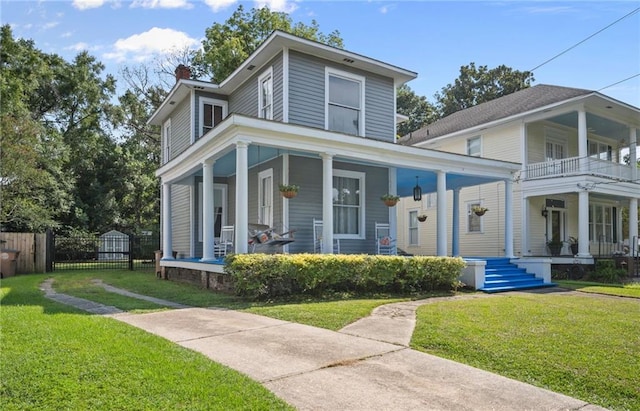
[
  {"x": 479, "y": 211},
  {"x": 422, "y": 218},
  {"x": 390, "y": 200},
  {"x": 288, "y": 191}
]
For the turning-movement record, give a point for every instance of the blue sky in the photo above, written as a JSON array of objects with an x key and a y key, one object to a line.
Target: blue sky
[{"x": 431, "y": 38}]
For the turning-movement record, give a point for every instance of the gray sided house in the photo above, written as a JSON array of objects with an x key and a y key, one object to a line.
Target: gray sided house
[{"x": 296, "y": 112}]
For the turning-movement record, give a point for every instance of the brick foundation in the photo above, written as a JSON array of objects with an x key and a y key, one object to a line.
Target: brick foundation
[{"x": 203, "y": 279}]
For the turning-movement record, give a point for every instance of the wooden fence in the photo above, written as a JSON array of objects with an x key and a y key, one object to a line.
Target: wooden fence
[{"x": 33, "y": 251}]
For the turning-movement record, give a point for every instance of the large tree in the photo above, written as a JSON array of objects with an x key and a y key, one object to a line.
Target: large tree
[
  {"x": 417, "y": 108},
  {"x": 477, "y": 85},
  {"x": 228, "y": 44}
]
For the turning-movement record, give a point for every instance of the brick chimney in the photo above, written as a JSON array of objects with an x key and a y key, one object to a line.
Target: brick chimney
[{"x": 182, "y": 72}]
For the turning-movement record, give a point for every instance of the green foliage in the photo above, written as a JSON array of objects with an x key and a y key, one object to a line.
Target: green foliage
[
  {"x": 417, "y": 108},
  {"x": 621, "y": 290},
  {"x": 477, "y": 85},
  {"x": 272, "y": 275},
  {"x": 228, "y": 44},
  {"x": 606, "y": 272}
]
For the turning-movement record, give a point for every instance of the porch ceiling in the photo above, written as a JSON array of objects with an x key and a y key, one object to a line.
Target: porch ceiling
[{"x": 595, "y": 124}]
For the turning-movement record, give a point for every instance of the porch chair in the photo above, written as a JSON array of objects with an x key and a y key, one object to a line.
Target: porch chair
[
  {"x": 317, "y": 239},
  {"x": 385, "y": 244},
  {"x": 225, "y": 243}
]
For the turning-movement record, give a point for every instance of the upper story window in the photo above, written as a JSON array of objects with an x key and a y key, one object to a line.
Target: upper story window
[
  {"x": 555, "y": 144},
  {"x": 599, "y": 150},
  {"x": 212, "y": 112},
  {"x": 344, "y": 95},
  {"x": 348, "y": 204},
  {"x": 474, "y": 146},
  {"x": 166, "y": 141},
  {"x": 265, "y": 98}
]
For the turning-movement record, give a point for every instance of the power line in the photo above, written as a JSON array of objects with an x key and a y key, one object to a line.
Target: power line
[
  {"x": 618, "y": 82},
  {"x": 582, "y": 41}
]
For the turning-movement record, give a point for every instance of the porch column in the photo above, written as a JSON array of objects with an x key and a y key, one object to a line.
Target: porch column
[
  {"x": 523, "y": 150},
  {"x": 242, "y": 197},
  {"x": 583, "y": 151},
  {"x": 583, "y": 224},
  {"x": 508, "y": 219},
  {"x": 633, "y": 152},
  {"x": 393, "y": 213},
  {"x": 167, "y": 243},
  {"x": 327, "y": 202},
  {"x": 633, "y": 226},
  {"x": 441, "y": 248},
  {"x": 455, "y": 223},
  {"x": 524, "y": 226},
  {"x": 208, "y": 215}
]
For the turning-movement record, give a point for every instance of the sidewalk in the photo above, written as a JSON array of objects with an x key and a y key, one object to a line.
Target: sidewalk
[{"x": 317, "y": 369}]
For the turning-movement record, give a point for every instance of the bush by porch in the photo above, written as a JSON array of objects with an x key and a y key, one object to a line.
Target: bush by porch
[{"x": 271, "y": 275}]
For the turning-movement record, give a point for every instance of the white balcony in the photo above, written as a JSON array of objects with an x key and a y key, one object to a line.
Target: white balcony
[{"x": 575, "y": 166}]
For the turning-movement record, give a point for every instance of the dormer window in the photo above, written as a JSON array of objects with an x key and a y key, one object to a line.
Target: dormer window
[
  {"x": 212, "y": 112},
  {"x": 265, "y": 98},
  {"x": 344, "y": 95}
]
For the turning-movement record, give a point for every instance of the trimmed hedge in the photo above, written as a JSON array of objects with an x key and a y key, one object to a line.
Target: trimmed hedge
[{"x": 272, "y": 275}]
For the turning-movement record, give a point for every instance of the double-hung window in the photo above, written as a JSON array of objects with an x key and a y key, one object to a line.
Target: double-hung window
[
  {"x": 348, "y": 204},
  {"x": 265, "y": 197},
  {"x": 413, "y": 227},
  {"x": 474, "y": 146},
  {"x": 265, "y": 98},
  {"x": 211, "y": 113},
  {"x": 166, "y": 141},
  {"x": 344, "y": 95}
]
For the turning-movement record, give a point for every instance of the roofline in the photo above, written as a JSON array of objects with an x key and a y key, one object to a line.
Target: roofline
[{"x": 206, "y": 85}]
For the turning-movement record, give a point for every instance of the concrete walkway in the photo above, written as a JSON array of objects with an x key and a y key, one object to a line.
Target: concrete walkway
[{"x": 366, "y": 366}]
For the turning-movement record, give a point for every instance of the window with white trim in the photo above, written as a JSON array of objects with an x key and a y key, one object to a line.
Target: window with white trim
[
  {"x": 344, "y": 95},
  {"x": 413, "y": 227},
  {"x": 265, "y": 92},
  {"x": 603, "y": 223},
  {"x": 474, "y": 146},
  {"x": 166, "y": 141},
  {"x": 265, "y": 197},
  {"x": 430, "y": 200},
  {"x": 348, "y": 204},
  {"x": 555, "y": 144},
  {"x": 599, "y": 150},
  {"x": 212, "y": 112},
  {"x": 474, "y": 222}
]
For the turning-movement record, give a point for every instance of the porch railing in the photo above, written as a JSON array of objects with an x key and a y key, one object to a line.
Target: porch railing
[{"x": 578, "y": 166}]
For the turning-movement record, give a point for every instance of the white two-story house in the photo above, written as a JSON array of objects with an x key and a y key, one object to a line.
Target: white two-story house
[
  {"x": 573, "y": 187},
  {"x": 295, "y": 112}
]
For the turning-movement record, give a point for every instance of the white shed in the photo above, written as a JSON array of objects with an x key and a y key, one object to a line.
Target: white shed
[{"x": 114, "y": 245}]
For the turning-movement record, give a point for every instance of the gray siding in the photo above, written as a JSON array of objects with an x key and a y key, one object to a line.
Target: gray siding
[
  {"x": 244, "y": 100},
  {"x": 180, "y": 218},
  {"x": 307, "y": 173},
  {"x": 307, "y": 96},
  {"x": 180, "y": 126}
]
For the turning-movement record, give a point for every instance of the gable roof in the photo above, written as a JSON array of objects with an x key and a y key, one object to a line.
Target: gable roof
[{"x": 522, "y": 101}]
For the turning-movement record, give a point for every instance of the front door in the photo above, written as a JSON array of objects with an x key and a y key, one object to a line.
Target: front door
[{"x": 557, "y": 225}]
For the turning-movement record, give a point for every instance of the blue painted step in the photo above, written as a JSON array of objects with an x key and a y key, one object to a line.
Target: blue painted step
[{"x": 501, "y": 275}]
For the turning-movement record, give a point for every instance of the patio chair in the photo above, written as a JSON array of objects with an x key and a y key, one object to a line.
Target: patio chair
[
  {"x": 225, "y": 243},
  {"x": 318, "y": 246},
  {"x": 385, "y": 244}
]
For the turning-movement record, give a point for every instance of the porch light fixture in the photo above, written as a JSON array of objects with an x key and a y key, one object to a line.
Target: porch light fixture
[
  {"x": 417, "y": 191},
  {"x": 545, "y": 213}
]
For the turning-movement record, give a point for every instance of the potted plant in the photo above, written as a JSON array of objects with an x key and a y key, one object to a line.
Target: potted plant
[
  {"x": 479, "y": 210},
  {"x": 555, "y": 246},
  {"x": 289, "y": 190},
  {"x": 422, "y": 217},
  {"x": 390, "y": 199},
  {"x": 573, "y": 243}
]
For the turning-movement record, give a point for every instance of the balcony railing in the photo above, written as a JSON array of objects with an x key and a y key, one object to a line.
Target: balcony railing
[{"x": 578, "y": 166}]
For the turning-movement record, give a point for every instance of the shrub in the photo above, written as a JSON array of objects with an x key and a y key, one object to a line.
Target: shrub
[
  {"x": 273, "y": 275},
  {"x": 606, "y": 272}
]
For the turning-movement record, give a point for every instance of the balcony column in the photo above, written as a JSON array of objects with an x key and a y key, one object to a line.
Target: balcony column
[
  {"x": 508, "y": 219},
  {"x": 327, "y": 202},
  {"x": 633, "y": 152},
  {"x": 167, "y": 241},
  {"x": 583, "y": 150},
  {"x": 455, "y": 223},
  {"x": 208, "y": 215},
  {"x": 524, "y": 226},
  {"x": 441, "y": 248},
  {"x": 583, "y": 224},
  {"x": 633, "y": 226},
  {"x": 242, "y": 197},
  {"x": 523, "y": 150}
]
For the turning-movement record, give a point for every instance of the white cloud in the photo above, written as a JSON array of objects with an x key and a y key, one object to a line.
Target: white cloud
[
  {"x": 78, "y": 47},
  {"x": 50, "y": 25},
  {"x": 143, "y": 46},
  {"x": 549, "y": 10},
  {"x": 217, "y": 5},
  {"x": 285, "y": 6},
  {"x": 386, "y": 9},
  {"x": 87, "y": 4},
  {"x": 162, "y": 4}
]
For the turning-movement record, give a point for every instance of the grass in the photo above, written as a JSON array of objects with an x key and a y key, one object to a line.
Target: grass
[
  {"x": 581, "y": 346},
  {"x": 54, "y": 357},
  {"x": 620, "y": 290}
]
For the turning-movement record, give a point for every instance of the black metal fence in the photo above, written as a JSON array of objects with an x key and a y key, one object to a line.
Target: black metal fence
[{"x": 109, "y": 251}]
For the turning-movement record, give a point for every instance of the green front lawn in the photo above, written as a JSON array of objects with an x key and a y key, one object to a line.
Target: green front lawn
[
  {"x": 54, "y": 357},
  {"x": 583, "y": 346},
  {"x": 622, "y": 290}
]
